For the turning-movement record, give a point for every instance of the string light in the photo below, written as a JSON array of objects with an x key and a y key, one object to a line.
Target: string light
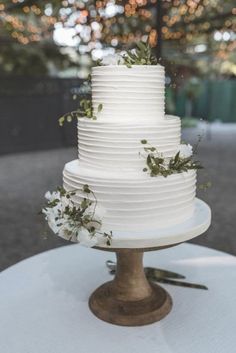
[{"x": 183, "y": 21}]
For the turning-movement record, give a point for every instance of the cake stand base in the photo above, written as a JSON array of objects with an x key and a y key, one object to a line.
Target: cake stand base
[{"x": 130, "y": 299}]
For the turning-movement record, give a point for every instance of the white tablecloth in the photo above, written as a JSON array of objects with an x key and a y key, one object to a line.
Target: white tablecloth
[{"x": 43, "y": 306}]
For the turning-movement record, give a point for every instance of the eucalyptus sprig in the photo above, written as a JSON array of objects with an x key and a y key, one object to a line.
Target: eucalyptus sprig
[
  {"x": 98, "y": 62},
  {"x": 205, "y": 186},
  {"x": 179, "y": 164},
  {"x": 85, "y": 110},
  {"x": 157, "y": 165},
  {"x": 142, "y": 55}
]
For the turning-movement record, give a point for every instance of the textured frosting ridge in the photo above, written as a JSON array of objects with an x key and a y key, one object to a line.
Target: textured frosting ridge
[
  {"x": 111, "y": 156},
  {"x": 135, "y": 201},
  {"x": 129, "y": 94},
  {"x": 119, "y": 145}
]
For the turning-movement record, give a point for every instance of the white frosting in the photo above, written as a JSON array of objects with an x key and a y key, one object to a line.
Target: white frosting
[
  {"x": 134, "y": 94},
  {"x": 109, "y": 152},
  {"x": 118, "y": 145},
  {"x": 135, "y": 201}
]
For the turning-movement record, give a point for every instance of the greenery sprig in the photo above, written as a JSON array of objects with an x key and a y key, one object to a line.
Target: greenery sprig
[
  {"x": 158, "y": 165},
  {"x": 142, "y": 55},
  {"x": 98, "y": 62},
  {"x": 205, "y": 186},
  {"x": 69, "y": 220},
  {"x": 85, "y": 110}
]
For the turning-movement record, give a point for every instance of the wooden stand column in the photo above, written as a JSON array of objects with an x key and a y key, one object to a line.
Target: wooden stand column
[{"x": 130, "y": 299}]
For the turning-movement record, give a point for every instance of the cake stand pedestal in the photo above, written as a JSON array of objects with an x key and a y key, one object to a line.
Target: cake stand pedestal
[{"x": 130, "y": 299}]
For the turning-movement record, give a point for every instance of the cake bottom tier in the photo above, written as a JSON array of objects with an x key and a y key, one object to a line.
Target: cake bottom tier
[{"x": 134, "y": 201}]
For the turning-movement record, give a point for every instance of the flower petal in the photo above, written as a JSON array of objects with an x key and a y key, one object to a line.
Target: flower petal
[{"x": 85, "y": 238}]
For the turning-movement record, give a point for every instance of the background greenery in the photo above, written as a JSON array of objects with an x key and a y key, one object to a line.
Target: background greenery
[{"x": 194, "y": 39}]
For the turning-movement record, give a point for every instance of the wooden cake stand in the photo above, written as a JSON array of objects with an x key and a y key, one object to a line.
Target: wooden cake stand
[{"x": 130, "y": 299}]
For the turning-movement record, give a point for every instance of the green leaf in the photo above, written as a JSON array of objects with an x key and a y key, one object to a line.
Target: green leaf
[
  {"x": 99, "y": 62},
  {"x": 157, "y": 165},
  {"x": 158, "y": 160},
  {"x": 61, "y": 121},
  {"x": 177, "y": 157},
  {"x": 86, "y": 189},
  {"x": 100, "y": 107},
  {"x": 84, "y": 204},
  {"x": 149, "y": 160},
  {"x": 142, "y": 46},
  {"x": 142, "y": 56}
]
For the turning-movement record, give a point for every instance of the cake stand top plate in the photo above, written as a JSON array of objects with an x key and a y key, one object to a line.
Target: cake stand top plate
[{"x": 164, "y": 237}]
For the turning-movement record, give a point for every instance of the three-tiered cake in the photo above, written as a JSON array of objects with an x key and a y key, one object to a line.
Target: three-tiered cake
[
  {"x": 111, "y": 157},
  {"x": 132, "y": 189}
]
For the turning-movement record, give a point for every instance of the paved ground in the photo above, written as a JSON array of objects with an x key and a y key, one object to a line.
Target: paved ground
[{"x": 24, "y": 178}]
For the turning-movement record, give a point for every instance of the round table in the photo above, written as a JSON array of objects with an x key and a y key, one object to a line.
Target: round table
[{"x": 44, "y": 305}]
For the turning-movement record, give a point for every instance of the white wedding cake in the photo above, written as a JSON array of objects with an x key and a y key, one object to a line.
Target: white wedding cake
[{"x": 112, "y": 159}]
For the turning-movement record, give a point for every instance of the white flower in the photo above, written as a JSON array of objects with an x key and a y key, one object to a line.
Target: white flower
[
  {"x": 67, "y": 233},
  {"x": 100, "y": 212},
  {"x": 112, "y": 59},
  {"x": 61, "y": 223},
  {"x": 65, "y": 202},
  {"x": 96, "y": 215},
  {"x": 52, "y": 223},
  {"x": 51, "y": 215},
  {"x": 85, "y": 238},
  {"x": 185, "y": 150},
  {"x": 50, "y": 196}
]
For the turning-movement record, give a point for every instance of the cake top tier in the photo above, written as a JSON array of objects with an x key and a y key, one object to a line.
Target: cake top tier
[
  {"x": 134, "y": 68},
  {"x": 129, "y": 94}
]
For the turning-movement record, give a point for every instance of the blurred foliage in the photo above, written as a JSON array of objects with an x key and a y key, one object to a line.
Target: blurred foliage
[
  {"x": 193, "y": 88},
  {"x": 189, "y": 122},
  {"x": 197, "y": 34},
  {"x": 31, "y": 59}
]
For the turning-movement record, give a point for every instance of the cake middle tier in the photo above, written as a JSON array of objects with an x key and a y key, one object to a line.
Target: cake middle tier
[{"x": 106, "y": 145}]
